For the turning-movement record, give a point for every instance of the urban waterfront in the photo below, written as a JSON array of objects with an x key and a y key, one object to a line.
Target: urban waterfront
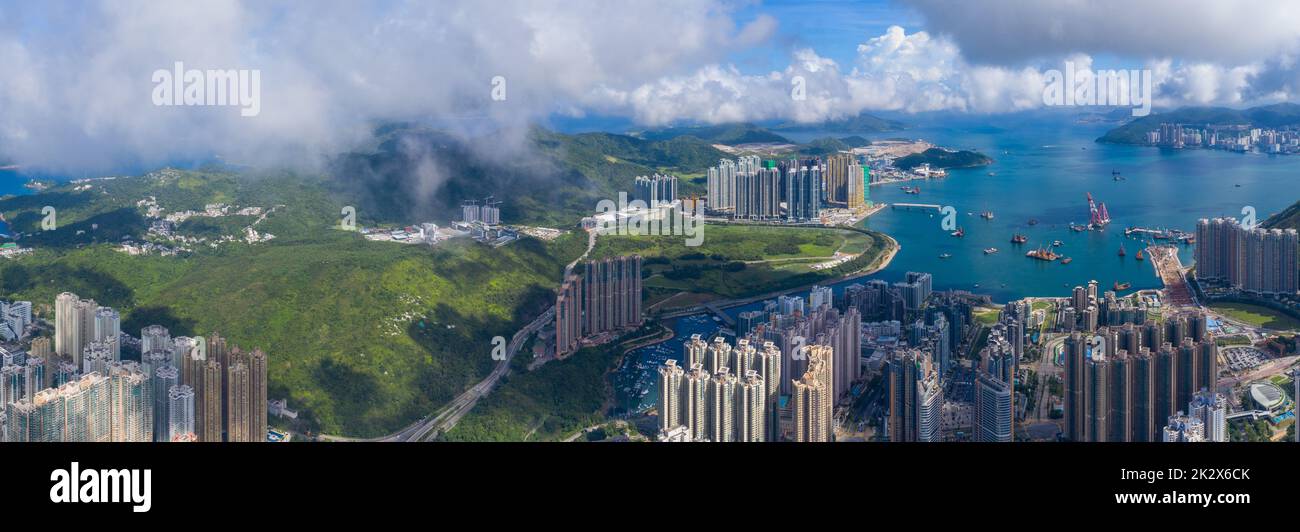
[{"x": 1041, "y": 172}]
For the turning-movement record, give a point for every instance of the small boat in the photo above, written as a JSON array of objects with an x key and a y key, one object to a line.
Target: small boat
[
  {"x": 959, "y": 232},
  {"x": 1121, "y": 250},
  {"x": 1019, "y": 239},
  {"x": 1121, "y": 286},
  {"x": 987, "y": 215},
  {"x": 1033, "y": 221},
  {"x": 990, "y": 251},
  {"x": 993, "y": 173},
  {"x": 1057, "y": 243},
  {"x": 945, "y": 255},
  {"x": 1067, "y": 260},
  {"x": 1139, "y": 256}
]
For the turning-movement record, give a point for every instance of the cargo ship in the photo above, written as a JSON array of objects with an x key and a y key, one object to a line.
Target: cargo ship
[{"x": 1042, "y": 254}]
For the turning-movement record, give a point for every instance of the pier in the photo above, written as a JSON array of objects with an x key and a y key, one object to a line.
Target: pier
[
  {"x": 1170, "y": 270},
  {"x": 923, "y": 206}
]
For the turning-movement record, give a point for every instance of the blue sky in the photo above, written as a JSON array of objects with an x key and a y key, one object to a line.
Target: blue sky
[{"x": 832, "y": 27}]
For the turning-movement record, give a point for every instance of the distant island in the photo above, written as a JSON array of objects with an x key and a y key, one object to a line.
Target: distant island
[
  {"x": 1267, "y": 129},
  {"x": 863, "y": 123},
  {"x": 728, "y": 134},
  {"x": 940, "y": 158}
]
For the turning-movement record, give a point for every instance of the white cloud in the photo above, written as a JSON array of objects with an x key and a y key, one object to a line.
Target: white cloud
[{"x": 75, "y": 78}]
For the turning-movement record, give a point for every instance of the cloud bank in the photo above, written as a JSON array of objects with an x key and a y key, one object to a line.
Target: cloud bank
[{"x": 75, "y": 77}]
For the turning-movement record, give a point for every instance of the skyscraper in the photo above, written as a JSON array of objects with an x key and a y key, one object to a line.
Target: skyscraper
[
  {"x": 751, "y": 408},
  {"x": 131, "y": 403},
  {"x": 77, "y": 411},
  {"x": 1256, "y": 260},
  {"x": 721, "y": 398},
  {"x": 257, "y": 402},
  {"x": 238, "y": 416},
  {"x": 605, "y": 297},
  {"x": 994, "y": 413},
  {"x": 209, "y": 419},
  {"x": 813, "y": 401},
  {"x": 74, "y": 325},
  {"x": 155, "y": 337},
  {"x": 695, "y": 403},
  {"x": 670, "y": 395},
  {"x": 108, "y": 329},
  {"x": 1212, "y": 410},
  {"x": 164, "y": 378},
  {"x": 656, "y": 190},
  {"x": 180, "y": 412}
]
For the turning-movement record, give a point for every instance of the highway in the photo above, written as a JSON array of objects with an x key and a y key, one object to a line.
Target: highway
[
  {"x": 429, "y": 427},
  {"x": 463, "y": 403},
  {"x": 445, "y": 419}
]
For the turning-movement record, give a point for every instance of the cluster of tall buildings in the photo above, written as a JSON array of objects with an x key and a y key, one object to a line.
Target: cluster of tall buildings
[
  {"x": 720, "y": 393},
  {"x": 996, "y": 406},
  {"x": 1256, "y": 260},
  {"x": 1205, "y": 420},
  {"x": 598, "y": 297},
  {"x": 749, "y": 188},
  {"x": 15, "y": 320},
  {"x": 656, "y": 189},
  {"x": 790, "y": 322},
  {"x": 918, "y": 362},
  {"x": 915, "y": 397},
  {"x": 81, "y": 389},
  {"x": 81, "y": 323},
  {"x": 1121, "y": 383},
  {"x": 1235, "y": 137},
  {"x": 746, "y": 188},
  {"x": 1087, "y": 309},
  {"x": 806, "y": 352},
  {"x": 489, "y": 213},
  {"x": 846, "y": 180}
]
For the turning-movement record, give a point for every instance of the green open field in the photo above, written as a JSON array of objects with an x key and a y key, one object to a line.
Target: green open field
[
  {"x": 986, "y": 316},
  {"x": 1257, "y": 316},
  {"x": 741, "y": 260}
]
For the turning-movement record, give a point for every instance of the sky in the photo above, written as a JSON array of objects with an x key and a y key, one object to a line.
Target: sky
[{"x": 77, "y": 79}]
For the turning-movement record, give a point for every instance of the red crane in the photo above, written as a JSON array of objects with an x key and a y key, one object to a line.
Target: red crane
[{"x": 1097, "y": 215}]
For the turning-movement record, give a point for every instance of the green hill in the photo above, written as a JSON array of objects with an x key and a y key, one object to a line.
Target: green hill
[
  {"x": 1289, "y": 218},
  {"x": 823, "y": 146},
  {"x": 941, "y": 158},
  {"x": 863, "y": 123},
  {"x": 362, "y": 336},
  {"x": 1270, "y": 116},
  {"x": 729, "y": 134},
  {"x": 553, "y": 179}
]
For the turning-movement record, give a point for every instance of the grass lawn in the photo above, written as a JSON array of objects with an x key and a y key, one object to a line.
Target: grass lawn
[
  {"x": 740, "y": 260},
  {"x": 986, "y": 316},
  {"x": 1257, "y": 316}
]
